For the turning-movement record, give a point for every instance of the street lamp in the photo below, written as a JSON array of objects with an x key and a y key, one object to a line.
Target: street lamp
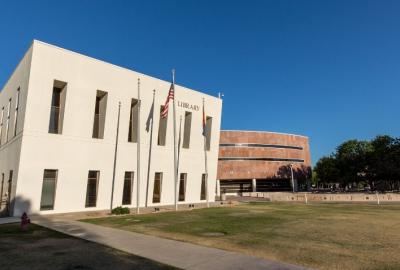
[{"x": 292, "y": 178}]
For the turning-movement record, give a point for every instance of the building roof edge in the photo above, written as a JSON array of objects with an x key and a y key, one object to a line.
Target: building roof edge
[
  {"x": 271, "y": 132},
  {"x": 114, "y": 65}
]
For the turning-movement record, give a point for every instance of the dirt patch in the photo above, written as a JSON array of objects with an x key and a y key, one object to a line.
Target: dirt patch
[
  {"x": 132, "y": 220},
  {"x": 213, "y": 234}
]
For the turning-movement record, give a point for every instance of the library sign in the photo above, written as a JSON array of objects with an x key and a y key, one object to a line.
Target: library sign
[{"x": 188, "y": 106}]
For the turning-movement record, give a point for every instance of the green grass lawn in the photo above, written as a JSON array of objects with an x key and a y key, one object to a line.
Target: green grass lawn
[
  {"x": 322, "y": 236},
  {"x": 40, "y": 248}
]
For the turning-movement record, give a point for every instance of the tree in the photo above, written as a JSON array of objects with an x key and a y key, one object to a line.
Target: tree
[
  {"x": 326, "y": 170},
  {"x": 384, "y": 162},
  {"x": 314, "y": 178},
  {"x": 352, "y": 161},
  {"x": 376, "y": 162}
]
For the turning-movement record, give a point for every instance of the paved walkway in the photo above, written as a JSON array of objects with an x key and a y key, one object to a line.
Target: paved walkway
[
  {"x": 175, "y": 253},
  {"x": 6, "y": 220}
]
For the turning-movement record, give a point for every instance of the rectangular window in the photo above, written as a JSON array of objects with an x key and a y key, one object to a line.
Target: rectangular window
[
  {"x": 182, "y": 187},
  {"x": 100, "y": 114},
  {"x": 208, "y": 132},
  {"x": 57, "y": 107},
  {"x": 203, "y": 187},
  {"x": 1, "y": 124},
  {"x": 186, "y": 130},
  {"x": 1, "y": 191},
  {"x": 8, "y": 119},
  {"x": 133, "y": 121},
  {"x": 10, "y": 180},
  {"x": 162, "y": 129},
  {"x": 157, "y": 187},
  {"x": 48, "y": 190},
  {"x": 91, "y": 191},
  {"x": 127, "y": 192},
  {"x": 16, "y": 113}
]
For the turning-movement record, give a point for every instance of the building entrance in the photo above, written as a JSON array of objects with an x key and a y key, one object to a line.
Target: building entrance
[{"x": 235, "y": 186}]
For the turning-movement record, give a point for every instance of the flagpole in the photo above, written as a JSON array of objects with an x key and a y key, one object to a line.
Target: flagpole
[
  {"x": 138, "y": 153},
  {"x": 150, "y": 148},
  {"x": 174, "y": 120},
  {"x": 205, "y": 159}
]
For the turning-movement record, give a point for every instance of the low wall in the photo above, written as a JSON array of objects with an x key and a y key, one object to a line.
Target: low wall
[{"x": 315, "y": 197}]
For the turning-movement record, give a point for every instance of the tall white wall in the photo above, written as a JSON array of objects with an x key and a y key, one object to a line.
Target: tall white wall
[
  {"x": 10, "y": 148},
  {"x": 75, "y": 152}
]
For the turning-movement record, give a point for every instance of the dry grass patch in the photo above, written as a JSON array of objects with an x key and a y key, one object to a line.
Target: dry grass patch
[{"x": 334, "y": 236}]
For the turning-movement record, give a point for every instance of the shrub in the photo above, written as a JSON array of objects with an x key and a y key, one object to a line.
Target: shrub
[{"x": 120, "y": 210}]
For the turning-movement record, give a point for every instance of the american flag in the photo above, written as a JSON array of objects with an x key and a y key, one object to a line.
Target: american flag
[{"x": 164, "y": 112}]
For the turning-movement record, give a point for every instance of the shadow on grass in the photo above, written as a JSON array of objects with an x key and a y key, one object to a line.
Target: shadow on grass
[{"x": 44, "y": 248}]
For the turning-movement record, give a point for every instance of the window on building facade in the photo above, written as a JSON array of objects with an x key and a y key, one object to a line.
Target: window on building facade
[
  {"x": 1, "y": 191},
  {"x": 203, "y": 187},
  {"x": 162, "y": 129},
  {"x": 10, "y": 180},
  {"x": 100, "y": 114},
  {"x": 133, "y": 121},
  {"x": 8, "y": 119},
  {"x": 57, "y": 109},
  {"x": 208, "y": 132},
  {"x": 1, "y": 124},
  {"x": 157, "y": 187},
  {"x": 92, "y": 187},
  {"x": 186, "y": 130},
  {"x": 127, "y": 191},
  {"x": 48, "y": 190},
  {"x": 16, "y": 113},
  {"x": 182, "y": 187}
]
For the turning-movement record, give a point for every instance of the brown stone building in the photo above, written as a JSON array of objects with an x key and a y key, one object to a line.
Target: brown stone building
[{"x": 262, "y": 161}]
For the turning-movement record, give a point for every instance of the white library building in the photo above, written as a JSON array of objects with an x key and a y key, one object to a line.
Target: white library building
[{"x": 74, "y": 131}]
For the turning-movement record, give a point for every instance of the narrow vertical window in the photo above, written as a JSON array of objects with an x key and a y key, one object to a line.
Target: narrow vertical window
[
  {"x": 8, "y": 119},
  {"x": 1, "y": 191},
  {"x": 100, "y": 114},
  {"x": 92, "y": 186},
  {"x": 208, "y": 132},
  {"x": 16, "y": 113},
  {"x": 157, "y": 187},
  {"x": 8, "y": 202},
  {"x": 162, "y": 129},
  {"x": 186, "y": 130},
  {"x": 48, "y": 190},
  {"x": 203, "y": 187},
  {"x": 133, "y": 121},
  {"x": 1, "y": 124},
  {"x": 57, "y": 107},
  {"x": 127, "y": 192},
  {"x": 182, "y": 187}
]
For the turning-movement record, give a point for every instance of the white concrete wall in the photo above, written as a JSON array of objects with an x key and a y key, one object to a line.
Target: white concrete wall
[
  {"x": 10, "y": 148},
  {"x": 74, "y": 152}
]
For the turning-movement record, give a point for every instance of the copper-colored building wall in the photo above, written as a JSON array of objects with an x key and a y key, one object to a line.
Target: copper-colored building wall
[{"x": 249, "y": 169}]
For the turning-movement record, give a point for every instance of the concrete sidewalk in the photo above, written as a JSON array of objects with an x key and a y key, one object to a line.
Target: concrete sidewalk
[
  {"x": 175, "y": 253},
  {"x": 7, "y": 220}
]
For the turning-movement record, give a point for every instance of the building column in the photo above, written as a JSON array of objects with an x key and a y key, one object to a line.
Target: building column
[
  {"x": 254, "y": 185},
  {"x": 217, "y": 188}
]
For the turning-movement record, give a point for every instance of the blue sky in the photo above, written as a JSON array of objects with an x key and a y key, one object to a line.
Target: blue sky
[{"x": 329, "y": 70}]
